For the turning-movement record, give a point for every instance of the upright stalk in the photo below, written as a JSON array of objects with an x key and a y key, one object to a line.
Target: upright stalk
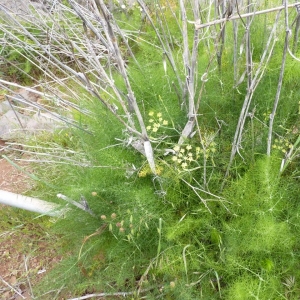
[
  {"x": 277, "y": 97},
  {"x": 131, "y": 98},
  {"x": 191, "y": 63},
  {"x": 255, "y": 79}
]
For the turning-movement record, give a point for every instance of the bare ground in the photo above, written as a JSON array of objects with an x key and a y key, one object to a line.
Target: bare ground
[{"x": 26, "y": 253}]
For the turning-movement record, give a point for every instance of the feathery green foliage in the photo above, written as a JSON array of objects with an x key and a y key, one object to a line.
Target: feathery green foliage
[{"x": 203, "y": 226}]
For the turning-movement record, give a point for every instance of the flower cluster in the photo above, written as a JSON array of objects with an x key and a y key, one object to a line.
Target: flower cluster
[
  {"x": 184, "y": 155},
  {"x": 208, "y": 143},
  {"x": 209, "y": 150},
  {"x": 145, "y": 170},
  {"x": 266, "y": 116},
  {"x": 156, "y": 121},
  {"x": 119, "y": 226},
  {"x": 112, "y": 219},
  {"x": 282, "y": 145}
]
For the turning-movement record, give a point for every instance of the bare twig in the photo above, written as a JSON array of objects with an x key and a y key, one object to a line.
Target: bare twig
[
  {"x": 97, "y": 232},
  {"x": 248, "y": 98},
  {"x": 290, "y": 155},
  {"x": 75, "y": 203},
  {"x": 190, "y": 64},
  {"x": 248, "y": 50},
  {"x": 118, "y": 294},
  {"x": 196, "y": 191},
  {"x": 283, "y": 61},
  {"x": 12, "y": 107},
  {"x": 297, "y": 29},
  {"x": 166, "y": 47},
  {"x": 28, "y": 280},
  {"x": 131, "y": 98},
  {"x": 6, "y": 283},
  {"x": 198, "y": 24}
]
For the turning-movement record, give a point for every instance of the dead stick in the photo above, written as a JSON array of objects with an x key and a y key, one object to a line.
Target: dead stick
[
  {"x": 260, "y": 12},
  {"x": 11, "y": 287},
  {"x": 122, "y": 294}
]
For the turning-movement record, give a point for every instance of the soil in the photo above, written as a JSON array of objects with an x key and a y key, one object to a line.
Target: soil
[
  {"x": 26, "y": 253},
  {"x": 11, "y": 179}
]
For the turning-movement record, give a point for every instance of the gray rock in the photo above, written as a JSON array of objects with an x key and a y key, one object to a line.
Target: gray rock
[
  {"x": 4, "y": 107},
  {"x": 12, "y": 125},
  {"x": 23, "y": 97},
  {"x": 42, "y": 122}
]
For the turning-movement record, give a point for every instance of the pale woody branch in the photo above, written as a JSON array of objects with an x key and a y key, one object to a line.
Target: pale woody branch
[{"x": 198, "y": 24}]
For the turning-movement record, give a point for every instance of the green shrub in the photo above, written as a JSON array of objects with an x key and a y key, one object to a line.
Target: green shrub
[{"x": 202, "y": 224}]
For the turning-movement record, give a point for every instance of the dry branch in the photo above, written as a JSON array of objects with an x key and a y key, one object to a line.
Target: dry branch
[
  {"x": 198, "y": 24},
  {"x": 280, "y": 80},
  {"x": 102, "y": 295},
  {"x": 248, "y": 98}
]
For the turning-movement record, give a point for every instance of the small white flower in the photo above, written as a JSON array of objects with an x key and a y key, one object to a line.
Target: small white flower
[
  {"x": 176, "y": 148},
  {"x": 184, "y": 165}
]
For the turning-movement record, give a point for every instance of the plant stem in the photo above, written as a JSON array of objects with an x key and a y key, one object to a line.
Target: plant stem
[
  {"x": 284, "y": 54},
  {"x": 198, "y": 24}
]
